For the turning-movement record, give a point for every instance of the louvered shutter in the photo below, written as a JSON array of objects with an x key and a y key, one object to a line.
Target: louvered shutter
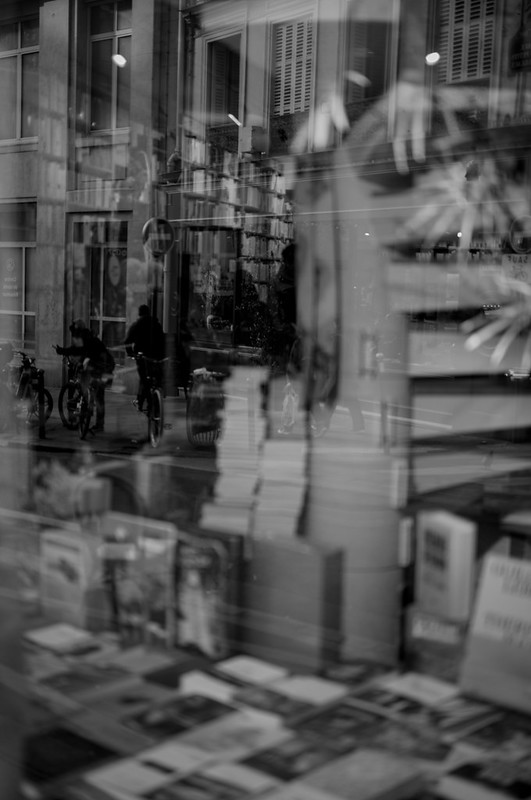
[
  {"x": 466, "y": 39},
  {"x": 292, "y": 67}
]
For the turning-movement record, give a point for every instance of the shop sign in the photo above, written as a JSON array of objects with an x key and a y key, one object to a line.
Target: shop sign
[
  {"x": 520, "y": 44},
  {"x": 158, "y": 236},
  {"x": 11, "y": 275}
]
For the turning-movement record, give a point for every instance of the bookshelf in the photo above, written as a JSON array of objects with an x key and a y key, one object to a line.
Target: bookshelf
[{"x": 235, "y": 217}]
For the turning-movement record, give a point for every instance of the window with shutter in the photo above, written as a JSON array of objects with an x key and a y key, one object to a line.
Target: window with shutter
[
  {"x": 466, "y": 39},
  {"x": 223, "y": 90},
  {"x": 292, "y": 67}
]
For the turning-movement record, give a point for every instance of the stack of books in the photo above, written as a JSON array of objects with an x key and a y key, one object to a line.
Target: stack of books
[
  {"x": 282, "y": 488},
  {"x": 238, "y": 453}
]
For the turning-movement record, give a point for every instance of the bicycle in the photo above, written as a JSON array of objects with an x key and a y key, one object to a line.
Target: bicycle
[
  {"x": 153, "y": 396},
  {"x": 23, "y": 381},
  {"x": 68, "y": 401},
  {"x": 87, "y": 404}
]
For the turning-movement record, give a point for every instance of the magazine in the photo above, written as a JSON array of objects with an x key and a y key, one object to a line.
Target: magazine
[
  {"x": 206, "y": 589},
  {"x": 176, "y": 715}
]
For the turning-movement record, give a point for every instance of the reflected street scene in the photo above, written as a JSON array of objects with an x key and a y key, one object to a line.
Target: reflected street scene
[{"x": 265, "y": 399}]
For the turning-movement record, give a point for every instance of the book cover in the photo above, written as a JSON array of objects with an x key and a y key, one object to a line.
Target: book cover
[
  {"x": 176, "y": 715},
  {"x": 310, "y": 689},
  {"x": 342, "y": 727},
  {"x": 131, "y": 697},
  {"x": 296, "y": 790},
  {"x": 508, "y": 737},
  {"x": 423, "y": 689},
  {"x": 292, "y": 757},
  {"x": 267, "y": 699},
  {"x": 128, "y": 776},
  {"x": 70, "y": 580},
  {"x": 199, "y": 787},
  {"x": 368, "y": 774},
  {"x": 249, "y": 669},
  {"x": 207, "y": 591},
  {"x": 445, "y": 564},
  {"x": 63, "y": 638},
  {"x": 197, "y": 681},
  {"x": 85, "y": 680},
  {"x": 138, "y": 561},
  {"x": 175, "y": 757},
  {"x": 497, "y": 662},
  {"x": 236, "y": 735},
  {"x": 487, "y": 780}
]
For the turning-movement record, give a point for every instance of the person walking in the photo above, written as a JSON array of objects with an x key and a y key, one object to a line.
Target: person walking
[{"x": 146, "y": 337}]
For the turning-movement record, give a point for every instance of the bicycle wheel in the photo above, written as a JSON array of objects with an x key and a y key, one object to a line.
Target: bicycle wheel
[
  {"x": 68, "y": 405},
  {"x": 155, "y": 418},
  {"x": 85, "y": 413},
  {"x": 33, "y": 417}
]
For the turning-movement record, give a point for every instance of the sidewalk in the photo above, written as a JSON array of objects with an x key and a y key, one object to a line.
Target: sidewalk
[{"x": 125, "y": 432}]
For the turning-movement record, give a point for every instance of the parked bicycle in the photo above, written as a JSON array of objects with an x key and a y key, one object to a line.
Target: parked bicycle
[
  {"x": 154, "y": 397},
  {"x": 86, "y": 408},
  {"x": 68, "y": 401},
  {"x": 24, "y": 381}
]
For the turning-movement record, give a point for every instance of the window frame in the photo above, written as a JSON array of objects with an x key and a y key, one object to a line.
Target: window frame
[
  {"x": 208, "y": 41},
  {"x": 19, "y": 52},
  {"x": 115, "y": 36}
]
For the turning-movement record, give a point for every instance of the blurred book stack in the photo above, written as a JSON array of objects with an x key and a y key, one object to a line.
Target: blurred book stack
[
  {"x": 282, "y": 488},
  {"x": 238, "y": 453}
]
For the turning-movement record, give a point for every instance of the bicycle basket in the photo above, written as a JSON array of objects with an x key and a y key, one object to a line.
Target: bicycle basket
[{"x": 204, "y": 409}]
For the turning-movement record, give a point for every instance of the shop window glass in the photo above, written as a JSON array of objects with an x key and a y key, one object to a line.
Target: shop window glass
[
  {"x": 19, "y": 61},
  {"x": 110, "y": 68}
]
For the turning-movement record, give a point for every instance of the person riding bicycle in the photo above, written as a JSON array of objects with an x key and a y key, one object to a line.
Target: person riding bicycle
[
  {"x": 98, "y": 364},
  {"x": 146, "y": 337}
]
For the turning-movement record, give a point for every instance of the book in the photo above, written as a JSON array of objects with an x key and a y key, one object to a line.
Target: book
[
  {"x": 235, "y": 736},
  {"x": 138, "y": 561},
  {"x": 197, "y": 681},
  {"x": 63, "y": 638},
  {"x": 508, "y": 737},
  {"x": 173, "y": 716},
  {"x": 175, "y": 757},
  {"x": 225, "y": 783},
  {"x": 310, "y": 689},
  {"x": 497, "y": 662},
  {"x": 424, "y": 689},
  {"x": 445, "y": 564},
  {"x": 267, "y": 699},
  {"x": 492, "y": 779},
  {"x": 251, "y": 670},
  {"x": 86, "y": 681},
  {"x": 366, "y": 774},
  {"x": 293, "y": 756},
  {"x": 296, "y": 790},
  {"x": 342, "y": 726},
  {"x": 434, "y": 645},
  {"x": 128, "y": 776},
  {"x": 207, "y": 589},
  {"x": 133, "y": 696}
]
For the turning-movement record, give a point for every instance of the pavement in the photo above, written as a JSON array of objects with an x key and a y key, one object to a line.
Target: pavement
[{"x": 125, "y": 433}]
